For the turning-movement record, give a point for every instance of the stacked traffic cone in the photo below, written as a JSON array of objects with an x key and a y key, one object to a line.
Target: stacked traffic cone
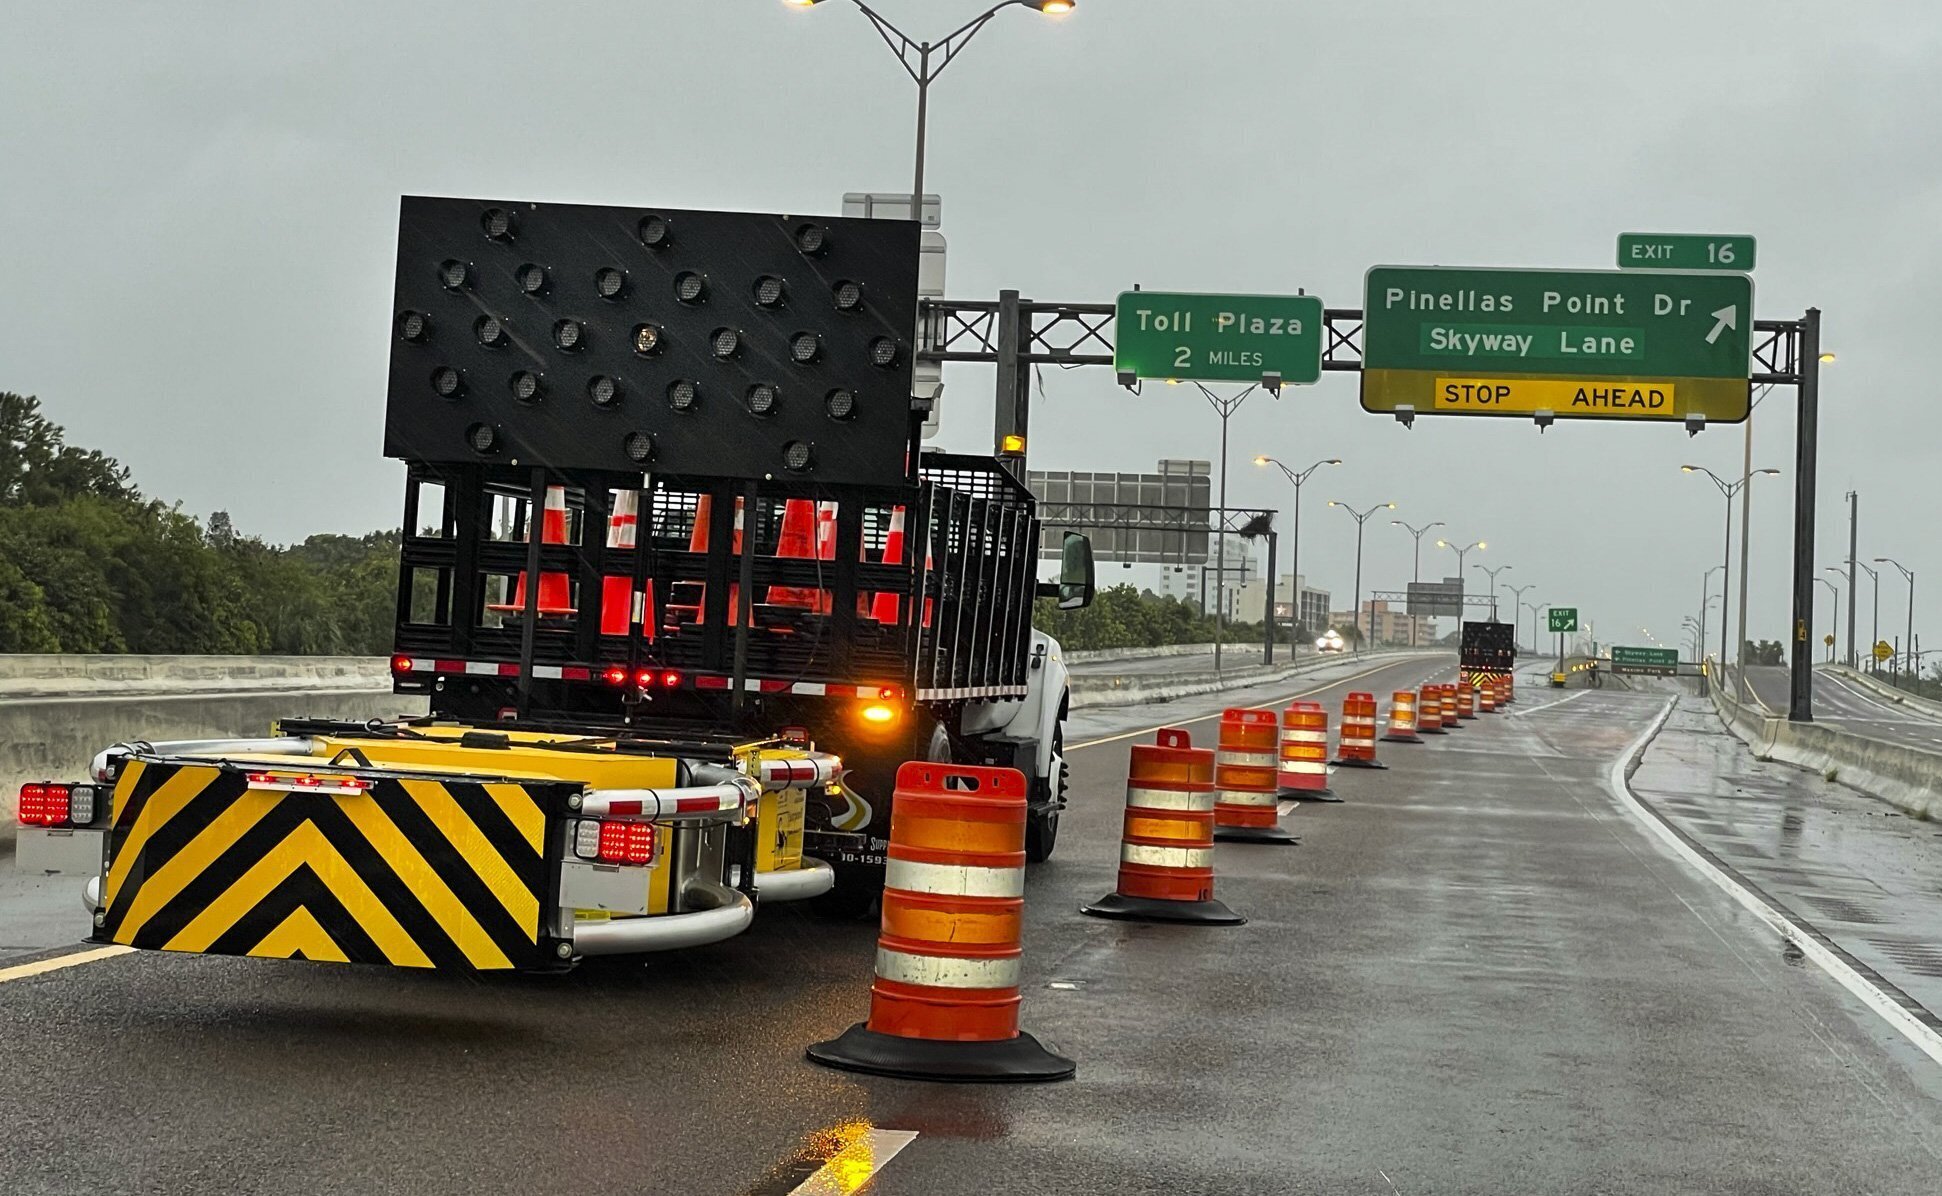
[
  {"x": 797, "y": 541},
  {"x": 1166, "y": 847},
  {"x": 1429, "y": 711},
  {"x": 620, "y": 605},
  {"x": 1303, "y": 772},
  {"x": 1402, "y": 718},
  {"x": 887, "y": 607},
  {"x": 945, "y": 1002},
  {"x": 555, "y": 589},
  {"x": 1246, "y": 808},
  {"x": 1358, "y": 747},
  {"x": 698, "y": 543}
]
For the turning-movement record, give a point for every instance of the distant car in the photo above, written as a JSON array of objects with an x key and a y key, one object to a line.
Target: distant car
[{"x": 1331, "y": 641}]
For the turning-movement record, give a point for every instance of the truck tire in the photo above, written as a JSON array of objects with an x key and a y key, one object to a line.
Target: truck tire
[{"x": 1042, "y": 821}]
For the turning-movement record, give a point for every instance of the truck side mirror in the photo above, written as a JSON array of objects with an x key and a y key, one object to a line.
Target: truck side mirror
[{"x": 1075, "y": 572}]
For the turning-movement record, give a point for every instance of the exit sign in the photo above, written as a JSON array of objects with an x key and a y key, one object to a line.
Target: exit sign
[
  {"x": 1684, "y": 251},
  {"x": 1218, "y": 338},
  {"x": 1562, "y": 618}
]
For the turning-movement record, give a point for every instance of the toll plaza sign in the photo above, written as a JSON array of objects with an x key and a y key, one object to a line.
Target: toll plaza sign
[
  {"x": 1218, "y": 338},
  {"x": 1578, "y": 344}
]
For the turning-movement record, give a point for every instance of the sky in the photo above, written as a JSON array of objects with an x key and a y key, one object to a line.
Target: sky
[{"x": 198, "y": 210}]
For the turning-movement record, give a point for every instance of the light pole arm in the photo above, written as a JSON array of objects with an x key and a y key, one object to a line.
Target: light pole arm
[{"x": 906, "y": 48}]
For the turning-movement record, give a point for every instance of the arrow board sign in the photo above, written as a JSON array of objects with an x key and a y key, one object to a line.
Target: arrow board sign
[{"x": 1573, "y": 344}]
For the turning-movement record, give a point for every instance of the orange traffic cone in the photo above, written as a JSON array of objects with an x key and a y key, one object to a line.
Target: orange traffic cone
[
  {"x": 620, "y": 606},
  {"x": 555, "y": 589},
  {"x": 1166, "y": 846},
  {"x": 944, "y": 1005},
  {"x": 797, "y": 541}
]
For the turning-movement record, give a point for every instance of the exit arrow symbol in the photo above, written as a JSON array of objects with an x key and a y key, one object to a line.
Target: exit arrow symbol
[{"x": 1724, "y": 318}]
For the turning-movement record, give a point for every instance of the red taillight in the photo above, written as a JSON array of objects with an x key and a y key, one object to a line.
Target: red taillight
[
  {"x": 307, "y": 782},
  {"x": 798, "y": 735},
  {"x": 614, "y": 675},
  {"x": 44, "y": 803},
  {"x": 670, "y": 679},
  {"x": 626, "y": 842},
  {"x": 886, "y": 693},
  {"x": 645, "y": 678},
  {"x": 401, "y": 664}
]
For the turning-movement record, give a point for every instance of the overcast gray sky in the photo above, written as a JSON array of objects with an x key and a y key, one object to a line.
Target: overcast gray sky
[{"x": 197, "y": 227}]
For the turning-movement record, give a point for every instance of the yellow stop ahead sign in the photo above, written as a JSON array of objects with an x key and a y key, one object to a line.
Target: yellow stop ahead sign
[{"x": 1882, "y": 650}]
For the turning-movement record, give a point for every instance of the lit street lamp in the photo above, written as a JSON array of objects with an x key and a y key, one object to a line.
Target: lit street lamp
[
  {"x": 1294, "y": 549},
  {"x": 927, "y": 68},
  {"x": 1361, "y": 517},
  {"x": 1728, "y": 490}
]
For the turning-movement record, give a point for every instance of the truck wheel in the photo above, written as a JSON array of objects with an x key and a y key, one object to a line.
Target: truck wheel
[{"x": 1042, "y": 822}]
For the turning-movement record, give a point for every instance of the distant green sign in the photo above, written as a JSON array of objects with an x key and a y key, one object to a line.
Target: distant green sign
[
  {"x": 1684, "y": 251},
  {"x": 1218, "y": 338},
  {"x": 1661, "y": 661},
  {"x": 1562, "y": 618},
  {"x": 1578, "y": 344}
]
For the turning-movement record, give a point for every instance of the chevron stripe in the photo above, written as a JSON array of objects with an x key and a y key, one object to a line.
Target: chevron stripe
[{"x": 413, "y": 874}]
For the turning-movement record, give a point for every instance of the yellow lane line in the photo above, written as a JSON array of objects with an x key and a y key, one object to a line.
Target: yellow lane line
[
  {"x": 43, "y": 966},
  {"x": 1370, "y": 672}
]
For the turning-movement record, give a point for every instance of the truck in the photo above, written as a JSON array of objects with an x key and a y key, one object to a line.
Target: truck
[
  {"x": 1489, "y": 649},
  {"x": 679, "y": 590}
]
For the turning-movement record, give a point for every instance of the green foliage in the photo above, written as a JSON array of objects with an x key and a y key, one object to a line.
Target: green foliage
[
  {"x": 1765, "y": 652},
  {"x": 1123, "y": 617},
  {"x": 87, "y": 564}
]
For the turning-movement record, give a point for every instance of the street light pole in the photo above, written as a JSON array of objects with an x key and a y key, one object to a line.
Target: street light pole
[
  {"x": 1516, "y": 600},
  {"x": 1908, "y": 645},
  {"x": 1705, "y": 599},
  {"x": 1834, "y": 627},
  {"x": 1415, "y": 562},
  {"x": 926, "y": 68},
  {"x": 1727, "y": 490},
  {"x": 1534, "y": 608},
  {"x": 1493, "y": 587},
  {"x": 1294, "y": 549},
  {"x": 1360, "y": 518},
  {"x": 1225, "y": 408},
  {"x": 1874, "y": 588}
]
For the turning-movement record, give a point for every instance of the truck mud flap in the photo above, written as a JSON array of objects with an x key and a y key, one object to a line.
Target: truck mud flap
[{"x": 419, "y": 873}]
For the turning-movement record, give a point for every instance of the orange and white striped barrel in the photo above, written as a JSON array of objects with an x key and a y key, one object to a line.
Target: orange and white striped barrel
[
  {"x": 1166, "y": 847},
  {"x": 1466, "y": 701},
  {"x": 1447, "y": 694},
  {"x": 1303, "y": 770},
  {"x": 1402, "y": 718},
  {"x": 945, "y": 1001},
  {"x": 1358, "y": 744},
  {"x": 953, "y": 899},
  {"x": 1487, "y": 695},
  {"x": 1510, "y": 691},
  {"x": 1246, "y": 803},
  {"x": 1429, "y": 711}
]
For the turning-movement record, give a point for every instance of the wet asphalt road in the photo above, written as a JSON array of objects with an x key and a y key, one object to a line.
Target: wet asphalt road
[
  {"x": 1477, "y": 975},
  {"x": 1849, "y": 706}
]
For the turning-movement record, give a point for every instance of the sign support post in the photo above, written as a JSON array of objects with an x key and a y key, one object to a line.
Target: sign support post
[{"x": 1800, "y": 696}]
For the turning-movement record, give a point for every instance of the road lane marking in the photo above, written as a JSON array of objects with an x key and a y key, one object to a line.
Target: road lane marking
[
  {"x": 1561, "y": 701},
  {"x": 854, "y": 1166},
  {"x": 41, "y": 967},
  {"x": 1922, "y": 1036},
  {"x": 1205, "y": 717}
]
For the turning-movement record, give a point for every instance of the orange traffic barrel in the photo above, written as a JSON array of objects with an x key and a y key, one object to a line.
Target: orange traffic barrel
[
  {"x": 1358, "y": 746},
  {"x": 1466, "y": 696},
  {"x": 1303, "y": 772},
  {"x": 1166, "y": 846},
  {"x": 1402, "y": 718},
  {"x": 1448, "y": 696},
  {"x": 1487, "y": 695},
  {"x": 1247, "y": 808},
  {"x": 1429, "y": 711},
  {"x": 945, "y": 1002},
  {"x": 1510, "y": 691}
]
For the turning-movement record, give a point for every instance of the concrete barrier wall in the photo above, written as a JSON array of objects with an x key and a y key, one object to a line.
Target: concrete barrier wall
[
  {"x": 1886, "y": 692},
  {"x": 35, "y": 675},
  {"x": 1096, "y": 690},
  {"x": 1908, "y": 778},
  {"x": 1090, "y": 655},
  {"x": 54, "y": 739}
]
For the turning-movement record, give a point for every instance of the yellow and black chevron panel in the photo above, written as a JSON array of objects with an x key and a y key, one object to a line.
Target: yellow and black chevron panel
[
  {"x": 1478, "y": 678},
  {"x": 414, "y": 873}
]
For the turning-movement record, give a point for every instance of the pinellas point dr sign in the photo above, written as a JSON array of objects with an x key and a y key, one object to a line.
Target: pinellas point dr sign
[{"x": 1577, "y": 344}]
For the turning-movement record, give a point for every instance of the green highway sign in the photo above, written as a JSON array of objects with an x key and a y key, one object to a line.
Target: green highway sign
[
  {"x": 1684, "y": 251},
  {"x": 1577, "y": 344},
  {"x": 1662, "y": 661},
  {"x": 1218, "y": 338},
  {"x": 1562, "y": 618}
]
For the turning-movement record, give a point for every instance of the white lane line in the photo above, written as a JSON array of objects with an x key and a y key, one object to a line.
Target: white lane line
[
  {"x": 1886, "y": 1007},
  {"x": 850, "y": 1168},
  {"x": 43, "y": 966}
]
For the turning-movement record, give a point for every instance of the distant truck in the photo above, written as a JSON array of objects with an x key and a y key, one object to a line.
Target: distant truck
[
  {"x": 1488, "y": 650},
  {"x": 680, "y": 587}
]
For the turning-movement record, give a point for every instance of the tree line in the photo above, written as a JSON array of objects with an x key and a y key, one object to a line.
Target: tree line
[{"x": 88, "y": 563}]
